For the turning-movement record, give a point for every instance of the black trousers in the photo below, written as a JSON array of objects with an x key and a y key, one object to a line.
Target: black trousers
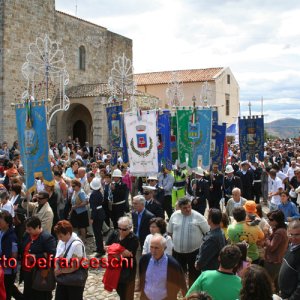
[
  {"x": 64, "y": 292},
  {"x": 97, "y": 229},
  {"x": 126, "y": 290},
  {"x": 30, "y": 293},
  {"x": 167, "y": 205},
  {"x": 187, "y": 262},
  {"x": 9, "y": 280}
]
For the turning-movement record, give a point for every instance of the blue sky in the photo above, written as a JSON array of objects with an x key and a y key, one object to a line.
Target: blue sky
[{"x": 258, "y": 39}]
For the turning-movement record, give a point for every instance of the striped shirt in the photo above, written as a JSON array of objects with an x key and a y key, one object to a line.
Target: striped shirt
[{"x": 187, "y": 231}]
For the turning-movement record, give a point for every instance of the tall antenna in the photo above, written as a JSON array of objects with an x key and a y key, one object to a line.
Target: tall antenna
[
  {"x": 76, "y": 8},
  {"x": 249, "y": 108},
  {"x": 262, "y": 106}
]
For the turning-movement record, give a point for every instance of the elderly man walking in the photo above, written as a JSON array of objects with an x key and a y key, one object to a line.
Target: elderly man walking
[{"x": 187, "y": 228}]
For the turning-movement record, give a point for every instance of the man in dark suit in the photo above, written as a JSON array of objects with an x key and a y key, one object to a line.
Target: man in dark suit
[
  {"x": 246, "y": 176},
  {"x": 141, "y": 217},
  {"x": 151, "y": 203},
  {"x": 161, "y": 276}
]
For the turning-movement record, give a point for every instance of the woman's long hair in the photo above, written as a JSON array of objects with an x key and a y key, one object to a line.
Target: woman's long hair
[{"x": 256, "y": 284}]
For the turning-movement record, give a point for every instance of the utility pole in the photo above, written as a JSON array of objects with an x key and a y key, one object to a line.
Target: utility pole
[{"x": 249, "y": 104}]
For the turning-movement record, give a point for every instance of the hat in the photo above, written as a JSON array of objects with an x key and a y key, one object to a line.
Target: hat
[
  {"x": 149, "y": 187},
  {"x": 250, "y": 207},
  {"x": 229, "y": 169},
  {"x": 95, "y": 184},
  {"x": 117, "y": 173},
  {"x": 152, "y": 178},
  {"x": 245, "y": 162},
  {"x": 199, "y": 171}
]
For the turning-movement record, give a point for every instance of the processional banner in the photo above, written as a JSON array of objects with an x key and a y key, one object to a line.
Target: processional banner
[
  {"x": 33, "y": 140},
  {"x": 173, "y": 137},
  {"x": 251, "y": 137},
  {"x": 116, "y": 133},
  {"x": 194, "y": 136},
  {"x": 141, "y": 138},
  {"x": 217, "y": 144},
  {"x": 164, "y": 140}
]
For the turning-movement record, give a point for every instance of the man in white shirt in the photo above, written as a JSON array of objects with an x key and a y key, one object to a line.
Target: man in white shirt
[
  {"x": 235, "y": 201},
  {"x": 187, "y": 228},
  {"x": 291, "y": 170},
  {"x": 5, "y": 204},
  {"x": 275, "y": 188}
]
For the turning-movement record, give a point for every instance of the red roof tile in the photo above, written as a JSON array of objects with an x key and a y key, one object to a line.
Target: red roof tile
[{"x": 194, "y": 75}]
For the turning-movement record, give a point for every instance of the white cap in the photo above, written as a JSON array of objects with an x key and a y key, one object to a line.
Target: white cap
[
  {"x": 229, "y": 169},
  {"x": 152, "y": 178},
  {"x": 95, "y": 184},
  {"x": 199, "y": 171},
  {"x": 117, "y": 173}
]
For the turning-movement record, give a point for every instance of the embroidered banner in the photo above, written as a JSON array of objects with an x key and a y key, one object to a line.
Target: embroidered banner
[
  {"x": 116, "y": 134},
  {"x": 33, "y": 140},
  {"x": 164, "y": 140},
  {"x": 217, "y": 144},
  {"x": 142, "y": 142},
  {"x": 194, "y": 135},
  {"x": 251, "y": 138},
  {"x": 174, "y": 137}
]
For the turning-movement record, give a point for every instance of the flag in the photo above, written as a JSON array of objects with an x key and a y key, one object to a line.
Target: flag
[
  {"x": 251, "y": 138},
  {"x": 164, "y": 140},
  {"x": 31, "y": 121},
  {"x": 117, "y": 141},
  {"x": 217, "y": 144},
  {"x": 142, "y": 142},
  {"x": 194, "y": 135}
]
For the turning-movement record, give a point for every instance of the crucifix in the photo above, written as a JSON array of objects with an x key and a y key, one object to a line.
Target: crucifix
[{"x": 249, "y": 104}]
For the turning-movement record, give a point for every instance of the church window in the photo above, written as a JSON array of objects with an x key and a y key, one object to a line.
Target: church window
[
  {"x": 82, "y": 58},
  {"x": 227, "y": 104}
]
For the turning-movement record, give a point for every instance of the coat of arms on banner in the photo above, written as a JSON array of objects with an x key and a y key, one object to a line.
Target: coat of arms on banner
[
  {"x": 194, "y": 131},
  {"x": 251, "y": 136},
  {"x": 141, "y": 142}
]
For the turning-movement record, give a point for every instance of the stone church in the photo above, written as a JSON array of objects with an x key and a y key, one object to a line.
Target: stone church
[{"x": 89, "y": 52}]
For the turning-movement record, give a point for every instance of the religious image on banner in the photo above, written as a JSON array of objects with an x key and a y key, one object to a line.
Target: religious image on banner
[
  {"x": 251, "y": 137},
  {"x": 33, "y": 140},
  {"x": 164, "y": 140},
  {"x": 173, "y": 138},
  {"x": 141, "y": 136},
  {"x": 217, "y": 144},
  {"x": 116, "y": 134},
  {"x": 194, "y": 136}
]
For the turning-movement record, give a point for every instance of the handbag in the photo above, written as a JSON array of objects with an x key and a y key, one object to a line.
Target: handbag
[
  {"x": 43, "y": 280},
  {"x": 76, "y": 278}
]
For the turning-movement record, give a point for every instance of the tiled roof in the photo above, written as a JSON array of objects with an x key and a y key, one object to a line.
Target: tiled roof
[
  {"x": 94, "y": 90},
  {"x": 194, "y": 75}
]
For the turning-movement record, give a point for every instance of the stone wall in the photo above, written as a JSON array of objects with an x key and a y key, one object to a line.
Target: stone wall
[
  {"x": 24, "y": 21},
  {"x": 1, "y": 67}
]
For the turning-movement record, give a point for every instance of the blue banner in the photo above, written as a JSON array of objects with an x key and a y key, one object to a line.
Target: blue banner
[
  {"x": 215, "y": 116},
  {"x": 202, "y": 150},
  {"x": 164, "y": 140},
  {"x": 116, "y": 134},
  {"x": 33, "y": 140},
  {"x": 217, "y": 144},
  {"x": 251, "y": 137}
]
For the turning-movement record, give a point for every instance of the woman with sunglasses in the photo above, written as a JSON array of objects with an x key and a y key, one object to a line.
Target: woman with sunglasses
[
  {"x": 126, "y": 238},
  {"x": 276, "y": 244}
]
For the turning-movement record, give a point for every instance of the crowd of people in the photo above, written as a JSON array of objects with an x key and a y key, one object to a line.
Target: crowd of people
[{"x": 201, "y": 234}]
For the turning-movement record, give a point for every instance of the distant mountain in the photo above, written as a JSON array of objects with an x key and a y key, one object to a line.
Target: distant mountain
[{"x": 284, "y": 128}]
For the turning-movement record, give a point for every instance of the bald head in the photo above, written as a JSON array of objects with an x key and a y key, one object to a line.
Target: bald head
[{"x": 157, "y": 246}]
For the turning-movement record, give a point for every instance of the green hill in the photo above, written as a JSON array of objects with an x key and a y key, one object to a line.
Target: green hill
[{"x": 284, "y": 128}]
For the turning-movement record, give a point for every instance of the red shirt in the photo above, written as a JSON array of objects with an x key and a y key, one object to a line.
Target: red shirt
[{"x": 2, "y": 287}]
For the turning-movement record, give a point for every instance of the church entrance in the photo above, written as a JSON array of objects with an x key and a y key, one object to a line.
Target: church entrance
[
  {"x": 79, "y": 131},
  {"x": 79, "y": 123}
]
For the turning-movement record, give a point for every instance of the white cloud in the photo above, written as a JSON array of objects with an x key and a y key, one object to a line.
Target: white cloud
[{"x": 258, "y": 40}]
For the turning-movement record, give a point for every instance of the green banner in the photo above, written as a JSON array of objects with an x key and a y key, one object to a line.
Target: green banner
[{"x": 184, "y": 144}]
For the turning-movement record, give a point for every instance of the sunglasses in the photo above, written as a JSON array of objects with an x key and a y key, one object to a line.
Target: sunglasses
[
  {"x": 123, "y": 229},
  {"x": 291, "y": 235},
  {"x": 146, "y": 193}
]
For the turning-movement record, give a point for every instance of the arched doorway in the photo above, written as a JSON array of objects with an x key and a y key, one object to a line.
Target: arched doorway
[{"x": 79, "y": 131}]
